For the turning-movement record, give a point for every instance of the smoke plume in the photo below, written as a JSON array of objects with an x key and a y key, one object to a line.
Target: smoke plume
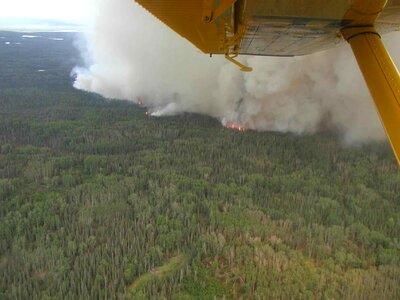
[{"x": 130, "y": 54}]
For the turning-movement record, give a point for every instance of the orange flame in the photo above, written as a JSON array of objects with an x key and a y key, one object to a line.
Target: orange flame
[
  {"x": 139, "y": 101},
  {"x": 235, "y": 126}
]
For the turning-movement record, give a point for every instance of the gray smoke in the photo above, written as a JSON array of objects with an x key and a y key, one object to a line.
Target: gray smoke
[{"x": 131, "y": 54}]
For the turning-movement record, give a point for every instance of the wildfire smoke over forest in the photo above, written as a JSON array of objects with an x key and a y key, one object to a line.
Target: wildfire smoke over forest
[{"x": 138, "y": 57}]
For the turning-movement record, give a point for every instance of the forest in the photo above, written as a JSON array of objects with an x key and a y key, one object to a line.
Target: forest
[{"x": 100, "y": 201}]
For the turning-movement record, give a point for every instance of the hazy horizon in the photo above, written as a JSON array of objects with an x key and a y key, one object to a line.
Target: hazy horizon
[{"x": 32, "y": 24}]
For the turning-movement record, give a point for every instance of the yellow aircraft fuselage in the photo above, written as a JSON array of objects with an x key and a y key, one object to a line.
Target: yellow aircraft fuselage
[{"x": 296, "y": 27}]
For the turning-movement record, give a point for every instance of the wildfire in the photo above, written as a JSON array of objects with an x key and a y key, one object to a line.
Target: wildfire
[
  {"x": 146, "y": 113},
  {"x": 235, "y": 126},
  {"x": 139, "y": 101}
]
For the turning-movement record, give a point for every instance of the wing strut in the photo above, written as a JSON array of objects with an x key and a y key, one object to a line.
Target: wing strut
[
  {"x": 382, "y": 78},
  {"x": 242, "y": 67}
]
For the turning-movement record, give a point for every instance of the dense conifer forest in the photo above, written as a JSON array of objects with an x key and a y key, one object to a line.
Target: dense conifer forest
[{"x": 100, "y": 201}]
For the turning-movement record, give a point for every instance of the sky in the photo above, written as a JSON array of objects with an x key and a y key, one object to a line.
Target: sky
[{"x": 75, "y": 11}]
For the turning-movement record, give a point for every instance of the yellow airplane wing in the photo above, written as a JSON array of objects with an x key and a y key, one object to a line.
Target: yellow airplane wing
[
  {"x": 266, "y": 27},
  {"x": 296, "y": 27}
]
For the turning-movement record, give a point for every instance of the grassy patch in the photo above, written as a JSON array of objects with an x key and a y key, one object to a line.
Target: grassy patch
[{"x": 174, "y": 264}]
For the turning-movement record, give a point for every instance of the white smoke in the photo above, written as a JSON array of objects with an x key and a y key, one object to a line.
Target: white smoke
[{"x": 131, "y": 54}]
